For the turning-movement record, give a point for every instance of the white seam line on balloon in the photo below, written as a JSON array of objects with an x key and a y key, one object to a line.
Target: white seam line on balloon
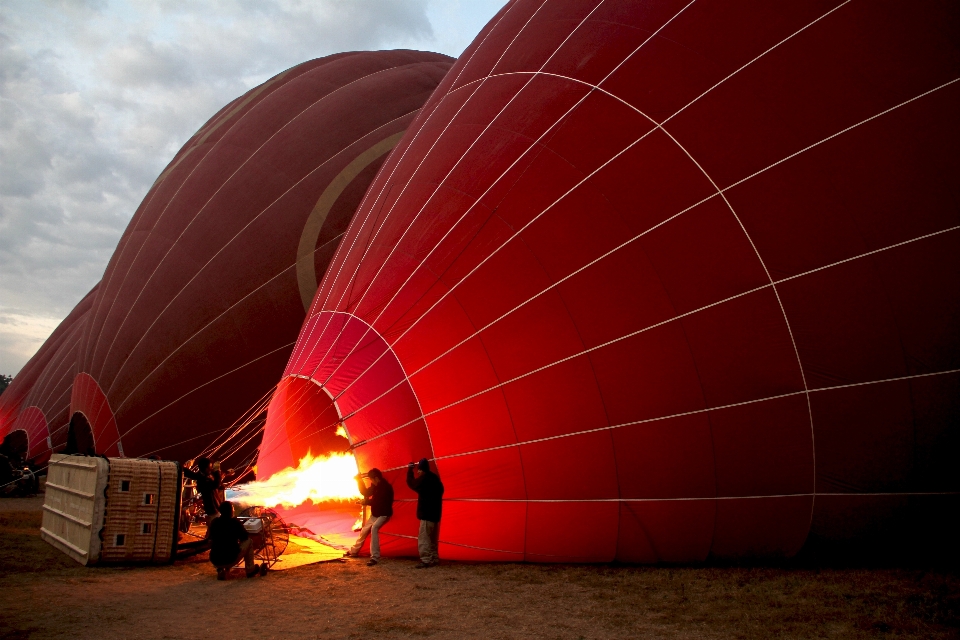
[
  {"x": 111, "y": 416},
  {"x": 870, "y": 253},
  {"x": 384, "y": 192},
  {"x": 125, "y": 243},
  {"x": 293, "y": 406},
  {"x": 235, "y": 236},
  {"x": 177, "y": 444},
  {"x": 252, "y": 155},
  {"x": 58, "y": 399},
  {"x": 783, "y": 310},
  {"x": 795, "y": 33},
  {"x": 692, "y": 412},
  {"x": 776, "y": 293},
  {"x": 337, "y": 263},
  {"x": 348, "y": 287},
  {"x": 680, "y": 213},
  {"x": 466, "y": 64},
  {"x": 221, "y": 431},
  {"x": 466, "y": 212},
  {"x": 725, "y": 78},
  {"x": 842, "y": 131},
  {"x": 239, "y": 441},
  {"x": 295, "y": 402},
  {"x": 560, "y": 120}
]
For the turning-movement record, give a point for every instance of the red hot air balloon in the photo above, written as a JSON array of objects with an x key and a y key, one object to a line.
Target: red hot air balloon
[
  {"x": 657, "y": 281},
  {"x": 200, "y": 304},
  {"x": 37, "y": 402}
]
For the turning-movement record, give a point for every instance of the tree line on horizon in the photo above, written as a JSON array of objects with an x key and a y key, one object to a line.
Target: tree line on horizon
[{"x": 5, "y": 381}]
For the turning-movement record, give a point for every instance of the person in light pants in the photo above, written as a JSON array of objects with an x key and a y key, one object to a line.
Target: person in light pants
[
  {"x": 379, "y": 495},
  {"x": 429, "y": 509}
]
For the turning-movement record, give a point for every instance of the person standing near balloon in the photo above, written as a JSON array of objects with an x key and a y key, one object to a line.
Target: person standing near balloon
[
  {"x": 429, "y": 507},
  {"x": 379, "y": 495},
  {"x": 207, "y": 485}
]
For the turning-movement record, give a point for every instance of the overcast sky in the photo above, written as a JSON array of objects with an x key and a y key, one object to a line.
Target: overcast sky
[{"x": 96, "y": 96}]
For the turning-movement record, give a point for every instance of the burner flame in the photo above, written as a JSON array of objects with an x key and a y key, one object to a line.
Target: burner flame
[{"x": 319, "y": 479}]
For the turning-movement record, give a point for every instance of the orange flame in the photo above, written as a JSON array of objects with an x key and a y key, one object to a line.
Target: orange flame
[{"x": 318, "y": 479}]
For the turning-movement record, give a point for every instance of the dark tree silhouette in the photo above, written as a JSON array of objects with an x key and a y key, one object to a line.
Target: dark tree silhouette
[{"x": 5, "y": 381}]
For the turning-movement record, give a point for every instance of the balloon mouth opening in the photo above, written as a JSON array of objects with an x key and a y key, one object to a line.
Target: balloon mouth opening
[{"x": 310, "y": 478}]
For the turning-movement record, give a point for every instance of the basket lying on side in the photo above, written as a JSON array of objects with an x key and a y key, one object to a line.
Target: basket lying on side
[{"x": 109, "y": 510}]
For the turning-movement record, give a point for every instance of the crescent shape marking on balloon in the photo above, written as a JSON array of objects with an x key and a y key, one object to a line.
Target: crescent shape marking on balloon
[{"x": 306, "y": 271}]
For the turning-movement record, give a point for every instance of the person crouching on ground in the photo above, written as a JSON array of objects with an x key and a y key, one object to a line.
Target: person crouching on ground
[
  {"x": 429, "y": 505},
  {"x": 379, "y": 495},
  {"x": 229, "y": 542}
]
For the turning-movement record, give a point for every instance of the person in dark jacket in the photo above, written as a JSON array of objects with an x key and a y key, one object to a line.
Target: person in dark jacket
[
  {"x": 229, "y": 542},
  {"x": 429, "y": 506},
  {"x": 207, "y": 486},
  {"x": 379, "y": 495}
]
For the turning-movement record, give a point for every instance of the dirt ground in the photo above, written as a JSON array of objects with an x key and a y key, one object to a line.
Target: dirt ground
[{"x": 44, "y": 594}]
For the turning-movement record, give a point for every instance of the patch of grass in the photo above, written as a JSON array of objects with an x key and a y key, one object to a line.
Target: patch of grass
[{"x": 23, "y": 551}]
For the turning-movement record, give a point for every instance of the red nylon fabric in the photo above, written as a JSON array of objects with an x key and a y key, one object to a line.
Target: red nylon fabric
[
  {"x": 44, "y": 385},
  {"x": 668, "y": 281},
  {"x": 200, "y": 304}
]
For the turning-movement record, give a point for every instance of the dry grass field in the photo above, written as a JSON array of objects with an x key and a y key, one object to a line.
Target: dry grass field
[{"x": 44, "y": 594}]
